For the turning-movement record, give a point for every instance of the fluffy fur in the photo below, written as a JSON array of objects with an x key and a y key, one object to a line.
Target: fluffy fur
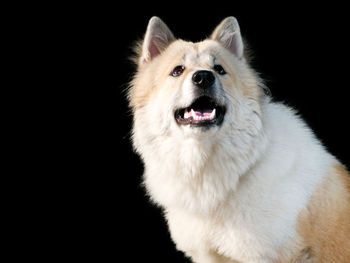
[{"x": 257, "y": 188}]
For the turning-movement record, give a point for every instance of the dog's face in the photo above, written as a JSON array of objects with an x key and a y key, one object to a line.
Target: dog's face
[
  {"x": 193, "y": 89},
  {"x": 199, "y": 101}
]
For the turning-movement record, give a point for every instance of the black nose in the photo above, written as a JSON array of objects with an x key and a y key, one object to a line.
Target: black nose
[{"x": 203, "y": 79}]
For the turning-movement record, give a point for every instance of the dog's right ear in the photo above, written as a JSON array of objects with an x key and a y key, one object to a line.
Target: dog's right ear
[{"x": 157, "y": 38}]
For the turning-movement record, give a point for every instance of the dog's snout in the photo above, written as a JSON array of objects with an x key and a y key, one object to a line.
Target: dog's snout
[{"x": 203, "y": 78}]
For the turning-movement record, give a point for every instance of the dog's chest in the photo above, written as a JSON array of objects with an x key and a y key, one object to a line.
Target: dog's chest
[{"x": 245, "y": 235}]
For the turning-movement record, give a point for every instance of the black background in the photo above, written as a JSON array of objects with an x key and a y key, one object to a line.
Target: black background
[{"x": 300, "y": 51}]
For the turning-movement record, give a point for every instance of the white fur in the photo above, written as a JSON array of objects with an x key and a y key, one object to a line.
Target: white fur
[
  {"x": 231, "y": 193},
  {"x": 211, "y": 206}
]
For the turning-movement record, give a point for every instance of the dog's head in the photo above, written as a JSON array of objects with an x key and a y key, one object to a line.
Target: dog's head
[{"x": 194, "y": 89}]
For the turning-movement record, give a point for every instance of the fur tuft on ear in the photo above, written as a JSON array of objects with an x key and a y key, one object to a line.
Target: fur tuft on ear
[
  {"x": 157, "y": 38},
  {"x": 229, "y": 35}
]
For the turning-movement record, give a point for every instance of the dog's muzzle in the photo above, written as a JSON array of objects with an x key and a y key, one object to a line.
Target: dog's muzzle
[{"x": 205, "y": 110}]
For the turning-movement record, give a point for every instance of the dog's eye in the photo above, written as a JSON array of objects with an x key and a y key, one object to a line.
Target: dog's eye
[
  {"x": 219, "y": 69},
  {"x": 177, "y": 71}
]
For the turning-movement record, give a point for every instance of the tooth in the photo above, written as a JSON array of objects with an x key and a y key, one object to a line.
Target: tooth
[
  {"x": 186, "y": 115},
  {"x": 193, "y": 113},
  {"x": 212, "y": 114},
  {"x": 194, "y": 116}
]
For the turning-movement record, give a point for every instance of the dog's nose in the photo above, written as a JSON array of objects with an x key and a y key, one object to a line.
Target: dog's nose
[{"x": 203, "y": 79}]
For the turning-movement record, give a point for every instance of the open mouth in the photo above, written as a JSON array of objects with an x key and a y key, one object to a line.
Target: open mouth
[{"x": 204, "y": 111}]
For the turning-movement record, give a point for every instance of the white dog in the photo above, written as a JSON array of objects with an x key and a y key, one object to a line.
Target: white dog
[{"x": 240, "y": 178}]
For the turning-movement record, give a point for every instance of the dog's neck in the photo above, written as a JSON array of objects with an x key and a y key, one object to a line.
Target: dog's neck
[{"x": 199, "y": 173}]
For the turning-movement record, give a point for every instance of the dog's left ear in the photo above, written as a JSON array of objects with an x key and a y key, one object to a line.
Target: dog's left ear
[
  {"x": 229, "y": 35},
  {"x": 157, "y": 38}
]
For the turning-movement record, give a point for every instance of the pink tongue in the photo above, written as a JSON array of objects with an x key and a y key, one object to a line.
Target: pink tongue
[{"x": 204, "y": 113}]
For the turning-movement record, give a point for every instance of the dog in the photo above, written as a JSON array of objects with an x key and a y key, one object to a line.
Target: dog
[{"x": 240, "y": 178}]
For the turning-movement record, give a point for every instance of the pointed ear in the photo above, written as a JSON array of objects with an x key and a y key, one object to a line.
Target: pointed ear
[
  {"x": 229, "y": 35},
  {"x": 157, "y": 38}
]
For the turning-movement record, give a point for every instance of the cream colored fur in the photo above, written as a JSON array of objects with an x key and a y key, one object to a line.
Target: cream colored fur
[{"x": 234, "y": 192}]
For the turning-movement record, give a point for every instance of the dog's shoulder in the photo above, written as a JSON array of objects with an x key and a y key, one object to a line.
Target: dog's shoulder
[{"x": 325, "y": 224}]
